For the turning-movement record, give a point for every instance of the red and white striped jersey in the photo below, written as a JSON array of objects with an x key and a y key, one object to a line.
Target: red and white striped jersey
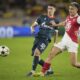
[{"x": 72, "y": 27}]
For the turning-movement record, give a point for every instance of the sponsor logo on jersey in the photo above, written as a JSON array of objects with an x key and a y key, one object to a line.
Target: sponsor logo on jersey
[{"x": 46, "y": 26}]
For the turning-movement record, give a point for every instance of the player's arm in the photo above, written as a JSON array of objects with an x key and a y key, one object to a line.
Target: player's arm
[
  {"x": 37, "y": 22},
  {"x": 59, "y": 24},
  {"x": 33, "y": 26}
]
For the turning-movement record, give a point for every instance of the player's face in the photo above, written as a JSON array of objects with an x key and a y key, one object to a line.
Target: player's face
[
  {"x": 72, "y": 10},
  {"x": 51, "y": 10}
]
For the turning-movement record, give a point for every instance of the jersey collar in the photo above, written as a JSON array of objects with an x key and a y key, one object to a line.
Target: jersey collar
[
  {"x": 74, "y": 16},
  {"x": 51, "y": 16}
]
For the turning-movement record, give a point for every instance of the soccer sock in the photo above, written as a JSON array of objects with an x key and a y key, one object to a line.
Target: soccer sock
[
  {"x": 35, "y": 62},
  {"x": 45, "y": 67},
  {"x": 41, "y": 62}
]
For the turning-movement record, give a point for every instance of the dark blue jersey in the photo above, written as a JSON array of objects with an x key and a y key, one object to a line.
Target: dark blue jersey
[{"x": 46, "y": 29}]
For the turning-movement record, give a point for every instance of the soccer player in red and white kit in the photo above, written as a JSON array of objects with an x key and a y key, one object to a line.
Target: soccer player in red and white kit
[{"x": 69, "y": 40}]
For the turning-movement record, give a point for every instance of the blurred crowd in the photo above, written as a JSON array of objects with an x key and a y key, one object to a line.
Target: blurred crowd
[{"x": 25, "y": 11}]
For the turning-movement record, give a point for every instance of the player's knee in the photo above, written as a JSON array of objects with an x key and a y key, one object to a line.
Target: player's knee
[{"x": 36, "y": 52}]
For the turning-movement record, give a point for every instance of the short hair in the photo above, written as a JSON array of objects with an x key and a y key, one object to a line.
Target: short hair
[
  {"x": 53, "y": 5},
  {"x": 77, "y": 5}
]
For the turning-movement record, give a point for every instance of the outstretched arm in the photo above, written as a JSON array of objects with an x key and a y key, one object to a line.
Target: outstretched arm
[
  {"x": 56, "y": 31},
  {"x": 59, "y": 24}
]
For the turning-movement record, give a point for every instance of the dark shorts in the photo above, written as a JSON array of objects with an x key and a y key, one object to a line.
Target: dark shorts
[{"x": 40, "y": 44}]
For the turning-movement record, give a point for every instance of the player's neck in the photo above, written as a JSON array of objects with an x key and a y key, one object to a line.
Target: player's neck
[
  {"x": 50, "y": 16},
  {"x": 72, "y": 16}
]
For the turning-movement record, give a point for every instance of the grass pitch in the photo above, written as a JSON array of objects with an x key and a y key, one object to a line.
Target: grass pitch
[{"x": 16, "y": 65}]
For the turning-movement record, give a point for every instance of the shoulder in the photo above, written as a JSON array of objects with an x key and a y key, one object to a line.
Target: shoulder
[{"x": 43, "y": 15}]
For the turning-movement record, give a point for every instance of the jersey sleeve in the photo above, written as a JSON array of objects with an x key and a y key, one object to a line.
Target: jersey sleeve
[
  {"x": 56, "y": 21},
  {"x": 39, "y": 20}
]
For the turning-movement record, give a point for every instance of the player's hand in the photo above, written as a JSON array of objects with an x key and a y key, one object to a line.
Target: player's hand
[
  {"x": 53, "y": 23},
  {"x": 32, "y": 30}
]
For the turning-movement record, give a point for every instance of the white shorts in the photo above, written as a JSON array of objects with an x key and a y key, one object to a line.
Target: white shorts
[{"x": 67, "y": 43}]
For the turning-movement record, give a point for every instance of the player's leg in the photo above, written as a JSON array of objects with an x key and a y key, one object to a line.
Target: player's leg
[
  {"x": 37, "y": 50},
  {"x": 47, "y": 63},
  {"x": 35, "y": 54},
  {"x": 51, "y": 55},
  {"x": 73, "y": 50},
  {"x": 42, "y": 47},
  {"x": 36, "y": 59},
  {"x": 41, "y": 62},
  {"x": 35, "y": 62},
  {"x": 49, "y": 71},
  {"x": 73, "y": 60},
  {"x": 54, "y": 51}
]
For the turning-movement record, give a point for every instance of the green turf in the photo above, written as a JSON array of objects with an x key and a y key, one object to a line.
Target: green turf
[{"x": 18, "y": 63}]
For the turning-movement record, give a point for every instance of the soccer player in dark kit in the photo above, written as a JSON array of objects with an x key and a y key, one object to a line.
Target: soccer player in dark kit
[{"x": 43, "y": 37}]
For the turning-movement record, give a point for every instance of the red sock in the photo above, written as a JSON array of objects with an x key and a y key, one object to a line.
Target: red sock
[{"x": 45, "y": 67}]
